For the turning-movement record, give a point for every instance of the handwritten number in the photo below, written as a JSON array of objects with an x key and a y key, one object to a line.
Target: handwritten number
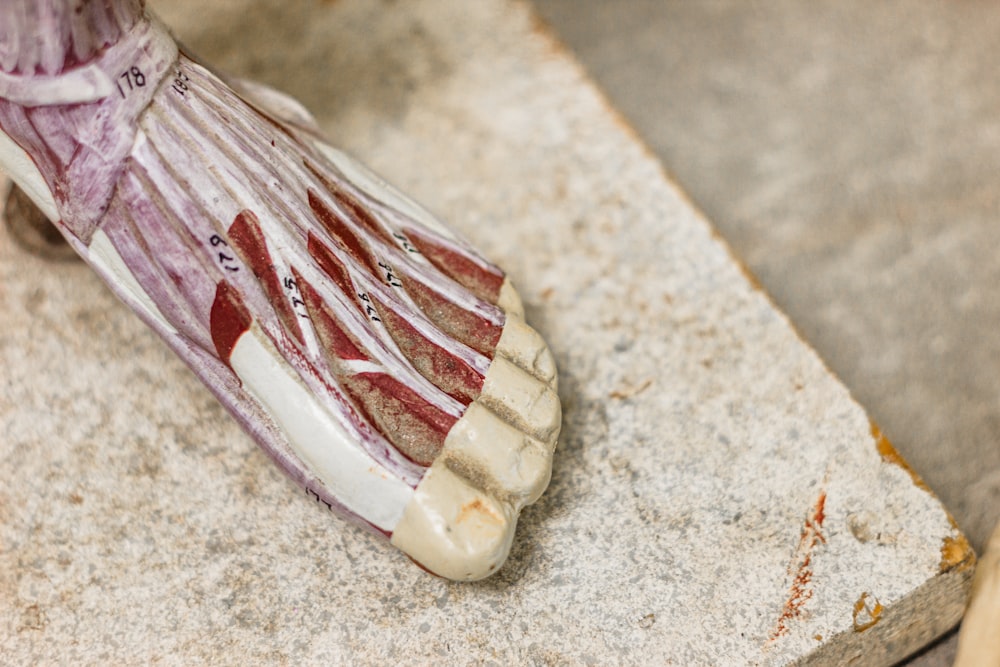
[
  {"x": 369, "y": 309},
  {"x": 390, "y": 277},
  {"x": 297, "y": 303},
  {"x": 225, "y": 261},
  {"x": 405, "y": 242},
  {"x": 180, "y": 84},
  {"x": 310, "y": 492},
  {"x": 133, "y": 77}
]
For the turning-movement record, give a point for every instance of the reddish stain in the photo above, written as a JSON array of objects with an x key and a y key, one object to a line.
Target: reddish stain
[
  {"x": 819, "y": 515},
  {"x": 229, "y": 319},
  {"x": 800, "y": 568},
  {"x": 334, "y": 339},
  {"x": 410, "y": 422},
  {"x": 482, "y": 281},
  {"x": 477, "y": 332},
  {"x": 478, "y": 510},
  {"x": 341, "y": 232},
  {"x": 449, "y": 373},
  {"x": 355, "y": 210},
  {"x": 247, "y": 238},
  {"x": 330, "y": 265},
  {"x": 414, "y": 426}
]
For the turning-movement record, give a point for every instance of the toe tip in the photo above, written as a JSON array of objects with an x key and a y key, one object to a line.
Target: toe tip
[{"x": 453, "y": 529}]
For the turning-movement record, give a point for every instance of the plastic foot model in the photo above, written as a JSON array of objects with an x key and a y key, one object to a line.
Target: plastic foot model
[{"x": 372, "y": 353}]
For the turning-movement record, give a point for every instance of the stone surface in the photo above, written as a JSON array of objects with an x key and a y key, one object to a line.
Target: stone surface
[
  {"x": 718, "y": 497},
  {"x": 848, "y": 151}
]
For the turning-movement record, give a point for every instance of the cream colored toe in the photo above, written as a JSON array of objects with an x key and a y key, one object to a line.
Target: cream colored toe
[
  {"x": 496, "y": 459},
  {"x": 523, "y": 346},
  {"x": 510, "y": 301},
  {"x": 522, "y": 400},
  {"x": 453, "y": 529},
  {"x": 495, "y": 456}
]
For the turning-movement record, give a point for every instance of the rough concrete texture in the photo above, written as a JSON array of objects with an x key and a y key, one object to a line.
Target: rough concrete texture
[
  {"x": 849, "y": 152},
  {"x": 718, "y": 497}
]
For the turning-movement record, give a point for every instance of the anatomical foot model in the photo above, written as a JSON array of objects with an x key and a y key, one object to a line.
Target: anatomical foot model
[{"x": 373, "y": 354}]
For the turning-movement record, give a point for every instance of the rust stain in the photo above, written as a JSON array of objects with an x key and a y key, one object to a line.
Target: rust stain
[
  {"x": 891, "y": 455},
  {"x": 867, "y": 612},
  {"x": 629, "y": 392},
  {"x": 956, "y": 552},
  {"x": 480, "y": 510},
  {"x": 33, "y": 617},
  {"x": 744, "y": 268},
  {"x": 800, "y": 568}
]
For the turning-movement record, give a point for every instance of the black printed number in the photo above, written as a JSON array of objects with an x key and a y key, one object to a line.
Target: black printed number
[
  {"x": 227, "y": 262},
  {"x": 405, "y": 242},
  {"x": 180, "y": 84},
  {"x": 369, "y": 308},
  {"x": 133, "y": 78},
  {"x": 390, "y": 278},
  {"x": 298, "y": 305}
]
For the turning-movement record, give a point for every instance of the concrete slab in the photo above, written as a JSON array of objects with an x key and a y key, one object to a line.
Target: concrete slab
[
  {"x": 718, "y": 497},
  {"x": 848, "y": 151}
]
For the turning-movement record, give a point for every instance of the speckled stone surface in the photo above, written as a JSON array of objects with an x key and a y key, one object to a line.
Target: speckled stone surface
[
  {"x": 849, "y": 152},
  {"x": 717, "y": 498}
]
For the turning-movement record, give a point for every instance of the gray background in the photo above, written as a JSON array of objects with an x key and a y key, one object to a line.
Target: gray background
[{"x": 848, "y": 151}]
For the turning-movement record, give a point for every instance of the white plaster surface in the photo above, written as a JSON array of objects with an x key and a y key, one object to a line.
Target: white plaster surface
[
  {"x": 138, "y": 524},
  {"x": 363, "y": 486}
]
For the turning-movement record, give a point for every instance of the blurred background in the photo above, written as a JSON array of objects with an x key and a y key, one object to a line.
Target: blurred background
[{"x": 849, "y": 152}]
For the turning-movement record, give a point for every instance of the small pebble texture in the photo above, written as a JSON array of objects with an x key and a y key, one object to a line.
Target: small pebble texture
[{"x": 718, "y": 497}]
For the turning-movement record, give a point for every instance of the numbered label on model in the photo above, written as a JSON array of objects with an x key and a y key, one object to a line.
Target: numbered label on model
[
  {"x": 181, "y": 83},
  {"x": 298, "y": 305},
  {"x": 129, "y": 80},
  {"x": 226, "y": 261}
]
